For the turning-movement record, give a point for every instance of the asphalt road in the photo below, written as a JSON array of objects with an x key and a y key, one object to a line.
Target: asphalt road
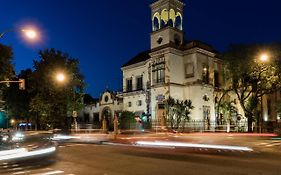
[{"x": 90, "y": 159}]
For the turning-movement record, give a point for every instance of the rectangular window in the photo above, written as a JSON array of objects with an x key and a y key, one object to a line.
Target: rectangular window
[
  {"x": 139, "y": 83},
  {"x": 139, "y": 103},
  {"x": 129, "y": 104},
  {"x": 189, "y": 70},
  {"x": 160, "y": 76},
  {"x": 129, "y": 85}
]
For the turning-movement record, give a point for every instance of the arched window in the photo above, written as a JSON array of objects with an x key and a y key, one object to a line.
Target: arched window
[
  {"x": 163, "y": 24},
  {"x": 156, "y": 25},
  {"x": 156, "y": 21},
  {"x": 178, "y": 23},
  {"x": 170, "y": 23}
]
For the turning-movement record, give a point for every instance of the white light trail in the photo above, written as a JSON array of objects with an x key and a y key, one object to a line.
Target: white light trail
[
  {"x": 50, "y": 173},
  {"x": 64, "y": 137},
  {"x": 191, "y": 145},
  {"x": 25, "y": 154},
  {"x": 14, "y": 151}
]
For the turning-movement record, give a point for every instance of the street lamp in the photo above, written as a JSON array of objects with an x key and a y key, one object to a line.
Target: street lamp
[
  {"x": 29, "y": 33},
  {"x": 264, "y": 57},
  {"x": 60, "y": 77}
]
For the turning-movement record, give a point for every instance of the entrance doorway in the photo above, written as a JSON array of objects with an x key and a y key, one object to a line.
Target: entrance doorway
[
  {"x": 107, "y": 115},
  {"x": 161, "y": 113}
]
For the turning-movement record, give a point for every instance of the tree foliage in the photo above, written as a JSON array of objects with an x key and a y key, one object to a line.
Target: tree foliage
[
  {"x": 53, "y": 100},
  {"x": 126, "y": 119},
  {"x": 17, "y": 101},
  {"x": 6, "y": 58},
  {"x": 250, "y": 78},
  {"x": 177, "y": 112}
]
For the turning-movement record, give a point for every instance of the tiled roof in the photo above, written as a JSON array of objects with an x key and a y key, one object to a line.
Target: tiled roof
[{"x": 143, "y": 56}]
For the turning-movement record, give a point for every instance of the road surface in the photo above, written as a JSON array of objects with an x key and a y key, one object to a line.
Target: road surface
[{"x": 91, "y": 159}]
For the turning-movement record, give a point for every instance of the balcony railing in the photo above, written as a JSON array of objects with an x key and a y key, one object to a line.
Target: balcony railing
[{"x": 159, "y": 81}]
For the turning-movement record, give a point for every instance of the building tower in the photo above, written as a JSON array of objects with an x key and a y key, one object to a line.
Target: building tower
[{"x": 167, "y": 23}]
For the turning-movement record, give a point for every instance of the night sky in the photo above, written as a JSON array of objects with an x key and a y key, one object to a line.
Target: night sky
[{"x": 103, "y": 35}]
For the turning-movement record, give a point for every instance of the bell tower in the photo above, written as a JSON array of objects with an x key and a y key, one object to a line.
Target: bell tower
[{"x": 167, "y": 22}]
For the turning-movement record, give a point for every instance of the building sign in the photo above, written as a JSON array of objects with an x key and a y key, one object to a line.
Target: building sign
[{"x": 160, "y": 98}]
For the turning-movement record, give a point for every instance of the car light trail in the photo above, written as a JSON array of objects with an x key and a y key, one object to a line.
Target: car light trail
[
  {"x": 50, "y": 173},
  {"x": 14, "y": 151},
  {"x": 64, "y": 137},
  {"x": 25, "y": 154},
  {"x": 276, "y": 138},
  {"x": 191, "y": 145}
]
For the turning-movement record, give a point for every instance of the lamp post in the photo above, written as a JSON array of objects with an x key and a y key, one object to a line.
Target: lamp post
[
  {"x": 29, "y": 33},
  {"x": 263, "y": 58},
  {"x": 61, "y": 78}
]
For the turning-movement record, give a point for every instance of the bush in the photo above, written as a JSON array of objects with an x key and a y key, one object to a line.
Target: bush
[{"x": 127, "y": 120}]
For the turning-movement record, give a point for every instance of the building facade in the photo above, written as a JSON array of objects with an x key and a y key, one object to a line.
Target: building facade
[
  {"x": 177, "y": 68},
  {"x": 172, "y": 67}
]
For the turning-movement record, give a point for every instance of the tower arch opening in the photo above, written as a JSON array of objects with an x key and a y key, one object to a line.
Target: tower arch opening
[
  {"x": 164, "y": 17},
  {"x": 156, "y": 22},
  {"x": 178, "y": 21}
]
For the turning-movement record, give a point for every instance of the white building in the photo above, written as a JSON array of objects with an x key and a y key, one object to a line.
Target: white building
[
  {"x": 184, "y": 70},
  {"x": 172, "y": 67}
]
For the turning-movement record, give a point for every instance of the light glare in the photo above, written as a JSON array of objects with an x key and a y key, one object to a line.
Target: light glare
[
  {"x": 264, "y": 57},
  {"x": 60, "y": 77},
  {"x": 30, "y": 34}
]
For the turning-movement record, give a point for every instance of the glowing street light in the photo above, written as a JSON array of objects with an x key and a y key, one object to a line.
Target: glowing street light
[
  {"x": 264, "y": 57},
  {"x": 60, "y": 77},
  {"x": 30, "y": 33},
  {"x": 12, "y": 121}
]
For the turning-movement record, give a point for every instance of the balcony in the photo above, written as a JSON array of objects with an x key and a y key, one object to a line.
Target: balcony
[{"x": 159, "y": 81}]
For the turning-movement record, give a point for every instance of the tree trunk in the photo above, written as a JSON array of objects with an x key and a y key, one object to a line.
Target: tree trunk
[{"x": 250, "y": 122}]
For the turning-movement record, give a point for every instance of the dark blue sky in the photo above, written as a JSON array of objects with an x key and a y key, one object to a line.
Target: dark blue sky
[{"x": 106, "y": 34}]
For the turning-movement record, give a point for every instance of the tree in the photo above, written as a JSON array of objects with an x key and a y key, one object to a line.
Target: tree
[
  {"x": 6, "y": 71},
  {"x": 126, "y": 119},
  {"x": 249, "y": 78},
  {"x": 227, "y": 108},
  {"x": 177, "y": 112},
  {"x": 6, "y": 58},
  {"x": 54, "y": 100},
  {"x": 278, "y": 107},
  {"x": 17, "y": 101}
]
